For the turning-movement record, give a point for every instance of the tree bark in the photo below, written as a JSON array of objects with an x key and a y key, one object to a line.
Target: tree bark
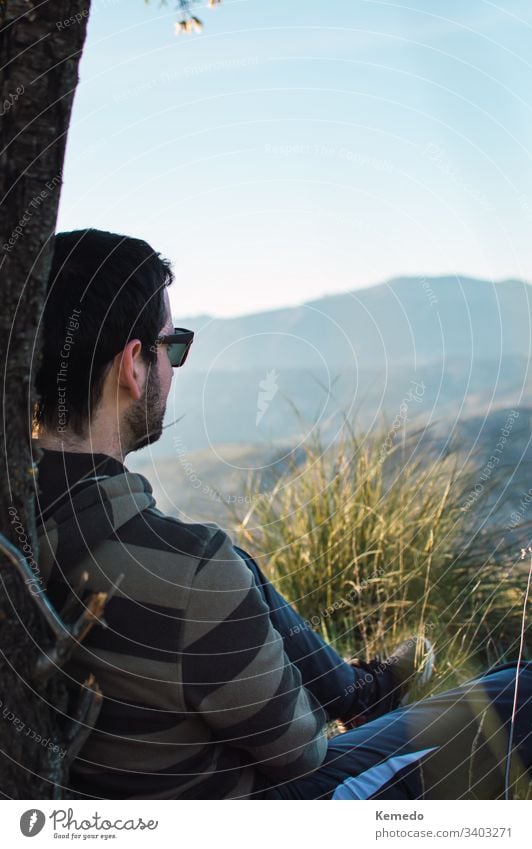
[{"x": 40, "y": 50}]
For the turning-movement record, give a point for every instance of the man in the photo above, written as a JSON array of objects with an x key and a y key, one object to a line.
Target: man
[{"x": 209, "y": 689}]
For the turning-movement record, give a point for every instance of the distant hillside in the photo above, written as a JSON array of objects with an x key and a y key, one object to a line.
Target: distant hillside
[
  {"x": 408, "y": 320},
  {"x": 273, "y": 376}
]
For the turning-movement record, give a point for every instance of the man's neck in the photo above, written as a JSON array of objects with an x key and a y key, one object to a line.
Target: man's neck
[{"x": 72, "y": 443}]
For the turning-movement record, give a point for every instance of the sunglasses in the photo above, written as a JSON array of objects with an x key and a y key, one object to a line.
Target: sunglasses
[{"x": 179, "y": 343}]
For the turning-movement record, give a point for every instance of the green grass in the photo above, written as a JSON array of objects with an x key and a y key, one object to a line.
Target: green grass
[{"x": 371, "y": 550}]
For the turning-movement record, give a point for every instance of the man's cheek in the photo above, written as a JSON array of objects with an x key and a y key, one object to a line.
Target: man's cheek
[{"x": 168, "y": 381}]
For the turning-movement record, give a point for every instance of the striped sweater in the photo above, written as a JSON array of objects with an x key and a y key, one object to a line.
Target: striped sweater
[{"x": 200, "y": 699}]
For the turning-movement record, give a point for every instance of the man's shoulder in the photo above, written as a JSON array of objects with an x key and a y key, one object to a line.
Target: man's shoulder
[
  {"x": 154, "y": 529},
  {"x": 208, "y": 559},
  {"x": 181, "y": 557}
]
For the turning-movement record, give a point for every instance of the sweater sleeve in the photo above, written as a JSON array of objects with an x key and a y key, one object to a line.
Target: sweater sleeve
[{"x": 237, "y": 675}]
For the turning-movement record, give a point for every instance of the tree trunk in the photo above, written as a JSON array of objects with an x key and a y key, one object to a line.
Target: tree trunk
[{"x": 40, "y": 49}]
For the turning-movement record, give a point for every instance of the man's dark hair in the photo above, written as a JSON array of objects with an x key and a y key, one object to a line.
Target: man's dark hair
[{"x": 104, "y": 289}]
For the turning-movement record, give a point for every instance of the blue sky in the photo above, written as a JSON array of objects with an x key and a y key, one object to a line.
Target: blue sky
[{"x": 295, "y": 149}]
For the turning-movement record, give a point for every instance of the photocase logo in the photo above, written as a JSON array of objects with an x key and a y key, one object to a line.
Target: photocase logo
[
  {"x": 32, "y": 822},
  {"x": 268, "y": 392}
]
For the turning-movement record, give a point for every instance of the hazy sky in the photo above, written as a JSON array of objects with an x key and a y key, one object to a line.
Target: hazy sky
[{"x": 299, "y": 148}]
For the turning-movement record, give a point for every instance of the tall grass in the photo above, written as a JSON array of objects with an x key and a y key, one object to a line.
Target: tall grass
[{"x": 372, "y": 547}]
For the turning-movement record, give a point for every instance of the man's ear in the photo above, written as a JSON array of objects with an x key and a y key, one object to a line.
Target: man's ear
[{"x": 131, "y": 369}]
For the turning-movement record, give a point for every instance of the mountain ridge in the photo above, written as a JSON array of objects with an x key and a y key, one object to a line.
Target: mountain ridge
[
  {"x": 406, "y": 320},
  {"x": 390, "y": 282}
]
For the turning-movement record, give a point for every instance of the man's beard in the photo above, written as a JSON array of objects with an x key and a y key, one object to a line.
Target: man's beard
[{"x": 144, "y": 420}]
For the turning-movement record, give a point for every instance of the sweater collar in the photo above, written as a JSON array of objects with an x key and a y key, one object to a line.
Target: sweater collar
[{"x": 59, "y": 471}]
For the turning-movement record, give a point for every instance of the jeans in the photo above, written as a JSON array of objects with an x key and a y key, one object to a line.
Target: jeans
[{"x": 453, "y": 745}]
